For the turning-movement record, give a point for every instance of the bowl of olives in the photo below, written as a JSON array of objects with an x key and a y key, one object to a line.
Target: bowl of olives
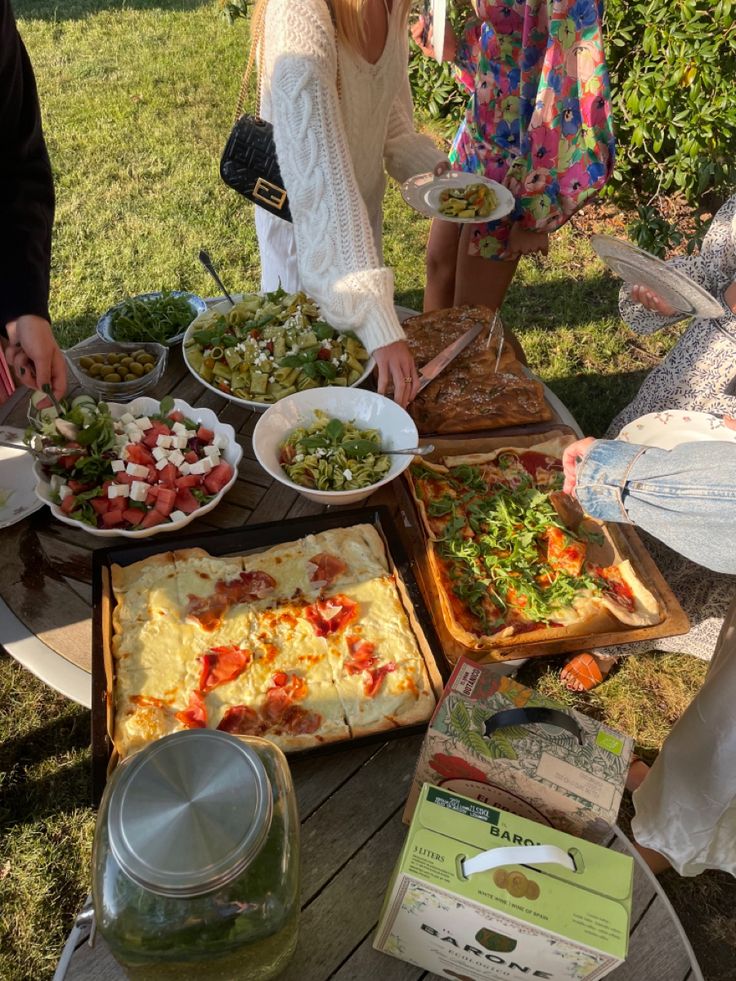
[{"x": 115, "y": 371}]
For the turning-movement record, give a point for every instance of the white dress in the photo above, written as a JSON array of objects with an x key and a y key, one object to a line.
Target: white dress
[
  {"x": 698, "y": 374},
  {"x": 334, "y": 151},
  {"x": 686, "y": 806}
]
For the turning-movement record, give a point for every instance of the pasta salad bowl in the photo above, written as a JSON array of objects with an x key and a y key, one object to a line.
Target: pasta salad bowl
[
  {"x": 326, "y": 444},
  {"x": 266, "y": 346}
]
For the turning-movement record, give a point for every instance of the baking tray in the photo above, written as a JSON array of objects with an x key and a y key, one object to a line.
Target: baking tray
[
  {"x": 241, "y": 541},
  {"x": 623, "y": 540}
]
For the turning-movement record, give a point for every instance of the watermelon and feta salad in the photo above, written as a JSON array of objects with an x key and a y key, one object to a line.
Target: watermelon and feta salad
[{"x": 131, "y": 472}]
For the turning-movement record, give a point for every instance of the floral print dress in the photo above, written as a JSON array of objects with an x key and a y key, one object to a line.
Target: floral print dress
[{"x": 539, "y": 115}]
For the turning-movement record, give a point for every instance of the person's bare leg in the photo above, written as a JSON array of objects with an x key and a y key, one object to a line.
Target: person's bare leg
[
  {"x": 442, "y": 246},
  {"x": 484, "y": 282}
]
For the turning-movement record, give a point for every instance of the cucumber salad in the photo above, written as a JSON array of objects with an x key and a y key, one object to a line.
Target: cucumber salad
[
  {"x": 333, "y": 455},
  {"x": 271, "y": 345},
  {"x": 131, "y": 472}
]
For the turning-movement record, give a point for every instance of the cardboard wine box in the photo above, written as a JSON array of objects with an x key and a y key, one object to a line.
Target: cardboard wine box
[
  {"x": 493, "y": 739},
  {"x": 522, "y": 914}
]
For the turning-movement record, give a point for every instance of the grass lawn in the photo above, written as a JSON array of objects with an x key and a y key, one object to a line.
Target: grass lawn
[{"x": 138, "y": 100}]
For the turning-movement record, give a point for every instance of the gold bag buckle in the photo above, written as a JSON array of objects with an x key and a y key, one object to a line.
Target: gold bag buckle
[{"x": 269, "y": 193}]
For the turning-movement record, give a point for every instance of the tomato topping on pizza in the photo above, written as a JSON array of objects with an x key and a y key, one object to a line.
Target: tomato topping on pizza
[
  {"x": 330, "y": 615},
  {"x": 325, "y": 568},
  {"x": 372, "y": 684},
  {"x": 242, "y": 720},
  {"x": 222, "y": 664},
  {"x": 194, "y": 716},
  {"x": 617, "y": 588},
  {"x": 362, "y": 656},
  {"x": 564, "y": 553},
  {"x": 245, "y": 588}
]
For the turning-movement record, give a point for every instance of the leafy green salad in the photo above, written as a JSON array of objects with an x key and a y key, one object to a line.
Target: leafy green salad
[
  {"x": 333, "y": 455},
  {"x": 271, "y": 345}
]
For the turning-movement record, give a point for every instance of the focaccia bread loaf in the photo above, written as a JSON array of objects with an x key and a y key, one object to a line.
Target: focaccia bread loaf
[{"x": 470, "y": 395}]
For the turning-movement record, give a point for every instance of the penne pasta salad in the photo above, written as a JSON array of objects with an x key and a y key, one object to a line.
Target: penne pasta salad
[{"x": 270, "y": 345}]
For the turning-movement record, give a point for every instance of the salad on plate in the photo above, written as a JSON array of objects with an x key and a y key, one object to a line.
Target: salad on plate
[
  {"x": 270, "y": 345},
  {"x": 133, "y": 471}
]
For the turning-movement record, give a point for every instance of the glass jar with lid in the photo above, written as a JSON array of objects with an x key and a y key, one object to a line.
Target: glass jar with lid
[{"x": 196, "y": 860}]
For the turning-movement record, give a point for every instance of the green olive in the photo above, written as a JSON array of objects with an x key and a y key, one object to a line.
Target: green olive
[
  {"x": 147, "y": 359},
  {"x": 97, "y": 358},
  {"x": 130, "y": 377},
  {"x": 136, "y": 370},
  {"x": 96, "y": 369},
  {"x": 113, "y": 376},
  {"x": 85, "y": 362},
  {"x": 126, "y": 361},
  {"x": 147, "y": 368}
]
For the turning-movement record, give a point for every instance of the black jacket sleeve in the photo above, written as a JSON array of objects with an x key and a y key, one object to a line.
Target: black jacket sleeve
[{"x": 26, "y": 185}]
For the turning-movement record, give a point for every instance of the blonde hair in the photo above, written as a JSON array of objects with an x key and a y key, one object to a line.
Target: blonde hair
[{"x": 348, "y": 17}]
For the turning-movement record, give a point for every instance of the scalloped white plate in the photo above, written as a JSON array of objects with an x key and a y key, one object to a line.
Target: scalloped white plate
[
  {"x": 223, "y": 307},
  {"x": 145, "y": 406},
  {"x": 674, "y": 426},
  {"x": 637, "y": 267}
]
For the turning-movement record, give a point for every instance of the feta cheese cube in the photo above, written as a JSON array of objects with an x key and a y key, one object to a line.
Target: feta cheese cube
[
  {"x": 136, "y": 470},
  {"x": 197, "y": 467},
  {"x": 118, "y": 490},
  {"x": 143, "y": 423},
  {"x": 185, "y": 468},
  {"x": 207, "y": 463},
  {"x": 180, "y": 429},
  {"x": 163, "y": 462},
  {"x": 219, "y": 441},
  {"x": 176, "y": 457},
  {"x": 212, "y": 451},
  {"x": 176, "y": 515},
  {"x": 126, "y": 418},
  {"x": 160, "y": 453},
  {"x": 138, "y": 490},
  {"x": 164, "y": 440},
  {"x": 135, "y": 435},
  {"x": 180, "y": 442},
  {"x": 117, "y": 465},
  {"x": 64, "y": 491}
]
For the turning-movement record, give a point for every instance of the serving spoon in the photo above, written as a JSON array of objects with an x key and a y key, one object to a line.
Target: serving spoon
[
  {"x": 210, "y": 267},
  {"x": 413, "y": 451},
  {"x": 43, "y": 451}
]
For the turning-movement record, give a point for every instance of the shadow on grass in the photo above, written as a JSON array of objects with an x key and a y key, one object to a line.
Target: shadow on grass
[
  {"x": 81, "y": 9},
  {"x": 563, "y": 301},
  {"x": 39, "y": 784},
  {"x": 595, "y": 399}
]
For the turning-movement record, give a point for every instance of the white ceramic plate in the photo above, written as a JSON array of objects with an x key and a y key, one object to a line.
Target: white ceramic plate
[
  {"x": 223, "y": 307},
  {"x": 422, "y": 193},
  {"x": 367, "y": 409},
  {"x": 668, "y": 429},
  {"x": 196, "y": 304},
  {"x": 637, "y": 267},
  {"x": 147, "y": 406},
  {"x": 17, "y": 480}
]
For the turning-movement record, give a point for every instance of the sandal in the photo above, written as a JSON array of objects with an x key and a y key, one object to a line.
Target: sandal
[{"x": 584, "y": 671}]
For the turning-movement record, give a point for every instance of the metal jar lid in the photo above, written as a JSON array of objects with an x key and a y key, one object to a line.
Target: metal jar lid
[{"x": 189, "y": 812}]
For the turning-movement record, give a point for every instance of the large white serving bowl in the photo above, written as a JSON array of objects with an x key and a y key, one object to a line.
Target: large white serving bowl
[
  {"x": 141, "y": 407},
  {"x": 205, "y": 318},
  {"x": 366, "y": 409}
]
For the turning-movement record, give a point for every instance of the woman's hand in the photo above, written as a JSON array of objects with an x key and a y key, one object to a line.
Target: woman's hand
[
  {"x": 397, "y": 371},
  {"x": 34, "y": 355},
  {"x": 571, "y": 457},
  {"x": 651, "y": 301}
]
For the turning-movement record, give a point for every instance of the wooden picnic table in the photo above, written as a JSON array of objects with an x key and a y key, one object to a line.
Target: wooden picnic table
[{"x": 350, "y": 800}]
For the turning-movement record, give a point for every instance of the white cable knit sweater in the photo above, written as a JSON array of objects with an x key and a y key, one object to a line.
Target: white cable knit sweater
[{"x": 332, "y": 154}]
